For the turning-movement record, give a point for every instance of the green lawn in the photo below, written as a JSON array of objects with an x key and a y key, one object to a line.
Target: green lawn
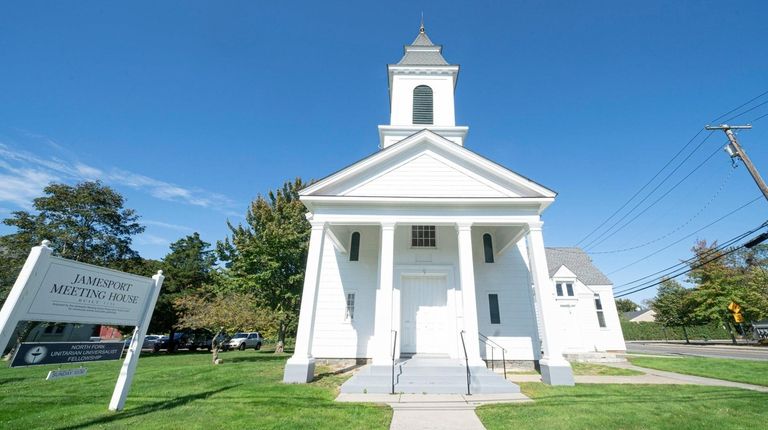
[
  {"x": 589, "y": 406},
  {"x": 182, "y": 391},
  {"x": 748, "y": 371},
  {"x": 601, "y": 370}
]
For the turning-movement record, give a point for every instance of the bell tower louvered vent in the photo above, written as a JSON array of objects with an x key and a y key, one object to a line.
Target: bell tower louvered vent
[{"x": 422, "y": 105}]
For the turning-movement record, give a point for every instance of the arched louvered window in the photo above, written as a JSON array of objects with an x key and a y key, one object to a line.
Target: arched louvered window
[
  {"x": 488, "y": 248},
  {"x": 422, "y": 105},
  {"x": 354, "y": 247}
]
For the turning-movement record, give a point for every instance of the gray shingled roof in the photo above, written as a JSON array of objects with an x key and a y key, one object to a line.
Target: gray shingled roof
[
  {"x": 422, "y": 39},
  {"x": 417, "y": 55},
  {"x": 578, "y": 262}
]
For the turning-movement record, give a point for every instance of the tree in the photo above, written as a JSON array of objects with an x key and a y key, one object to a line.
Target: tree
[
  {"x": 86, "y": 222},
  {"x": 674, "y": 306},
  {"x": 188, "y": 267},
  {"x": 721, "y": 278},
  {"x": 267, "y": 255},
  {"x": 626, "y": 305},
  {"x": 224, "y": 312}
]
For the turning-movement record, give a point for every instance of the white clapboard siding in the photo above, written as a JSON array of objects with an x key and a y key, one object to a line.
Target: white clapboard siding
[
  {"x": 508, "y": 277},
  {"x": 426, "y": 176},
  {"x": 333, "y": 336}
]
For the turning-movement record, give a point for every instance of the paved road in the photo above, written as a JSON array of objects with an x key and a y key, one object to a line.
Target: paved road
[{"x": 739, "y": 352}]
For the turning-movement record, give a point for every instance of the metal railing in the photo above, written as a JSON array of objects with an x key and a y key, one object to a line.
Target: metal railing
[
  {"x": 488, "y": 342},
  {"x": 394, "y": 347},
  {"x": 466, "y": 360}
]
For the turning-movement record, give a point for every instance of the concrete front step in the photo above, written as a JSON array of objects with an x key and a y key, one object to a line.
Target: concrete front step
[{"x": 433, "y": 376}]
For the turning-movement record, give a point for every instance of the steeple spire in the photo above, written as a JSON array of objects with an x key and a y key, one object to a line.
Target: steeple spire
[{"x": 421, "y": 28}]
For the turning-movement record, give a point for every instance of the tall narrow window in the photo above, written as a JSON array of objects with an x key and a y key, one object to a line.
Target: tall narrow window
[
  {"x": 354, "y": 247},
  {"x": 488, "y": 248},
  {"x": 422, "y": 105},
  {"x": 600, "y": 314},
  {"x": 350, "y": 314},
  {"x": 493, "y": 304}
]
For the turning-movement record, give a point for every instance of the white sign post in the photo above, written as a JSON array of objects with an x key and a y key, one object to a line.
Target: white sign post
[{"x": 56, "y": 289}]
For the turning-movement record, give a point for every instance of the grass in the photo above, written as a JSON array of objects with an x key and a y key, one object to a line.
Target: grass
[
  {"x": 183, "y": 391},
  {"x": 601, "y": 370},
  {"x": 590, "y": 406},
  {"x": 747, "y": 371}
]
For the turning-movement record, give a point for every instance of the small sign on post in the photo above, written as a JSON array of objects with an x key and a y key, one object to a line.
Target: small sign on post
[
  {"x": 35, "y": 354},
  {"x": 56, "y": 289},
  {"x": 66, "y": 373}
]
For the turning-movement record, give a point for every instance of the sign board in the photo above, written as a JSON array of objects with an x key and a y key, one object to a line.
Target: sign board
[
  {"x": 70, "y": 291},
  {"x": 66, "y": 373},
  {"x": 35, "y": 354},
  {"x": 59, "y": 290}
]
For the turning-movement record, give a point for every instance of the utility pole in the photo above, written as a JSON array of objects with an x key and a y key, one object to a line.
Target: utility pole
[{"x": 736, "y": 151}]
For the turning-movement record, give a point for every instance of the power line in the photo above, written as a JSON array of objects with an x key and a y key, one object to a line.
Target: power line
[
  {"x": 740, "y": 106},
  {"x": 692, "y": 268},
  {"x": 665, "y": 272},
  {"x": 617, "y": 211},
  {"x": 679, "y": 227},
  {"x": 598, "y": 240},
  {"x": 748, "y": 110},
  {"x": 687, "y": 236},
  {"x": 641, "y": 188}
]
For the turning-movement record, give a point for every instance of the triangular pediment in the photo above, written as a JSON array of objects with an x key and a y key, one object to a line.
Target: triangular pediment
[{"x": 427, "y": 165}]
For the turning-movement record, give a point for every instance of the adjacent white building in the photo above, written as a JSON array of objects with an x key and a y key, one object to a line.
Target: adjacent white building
[{"x": 425, "y": 246}]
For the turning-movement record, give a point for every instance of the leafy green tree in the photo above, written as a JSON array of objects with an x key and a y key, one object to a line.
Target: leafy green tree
[
  {"x": 266, "y": 255},
  {"x": 674, "y": 306},
  {"x": 86, "y": 222},
  {"x": 626, "y": 305},
  {"x": 722, "y": 278},
  {"x": 224, "y": 313},
  {"x": 188, "y": 267}
]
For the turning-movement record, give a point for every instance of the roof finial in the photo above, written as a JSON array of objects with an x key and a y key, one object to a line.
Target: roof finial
[{"x": 421, "y": 28}]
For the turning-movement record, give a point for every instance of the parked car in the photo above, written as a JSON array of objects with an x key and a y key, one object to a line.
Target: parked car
[
  {"x": 149, "y": 341},
  {"x": 242, "y": 341},
  {"x": 200, "y": 339},
  {"x": 180, "y": 341}
]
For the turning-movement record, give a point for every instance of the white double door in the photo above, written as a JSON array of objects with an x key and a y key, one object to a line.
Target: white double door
[{"x": 425, "y": 318}]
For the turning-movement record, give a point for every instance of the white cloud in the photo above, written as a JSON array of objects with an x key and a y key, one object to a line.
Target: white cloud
[
  {"x": 166, "y": 225},
  {"x": 23, "y": 175},
  {"x": 151, "y": 239}
]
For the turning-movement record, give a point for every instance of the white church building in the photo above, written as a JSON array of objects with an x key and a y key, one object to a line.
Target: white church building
[{"x": 425, "y": 250}]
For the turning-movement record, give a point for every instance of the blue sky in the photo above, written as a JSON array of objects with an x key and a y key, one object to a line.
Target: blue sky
[{"x": 191, "y": 109}]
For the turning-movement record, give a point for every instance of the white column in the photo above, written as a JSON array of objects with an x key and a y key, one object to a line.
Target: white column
[
  {"x": 555, "y": 370},
  {"x": 468, "y": 294},
  {"x": 300, "y": 368},
  {"x": 383, "y": 329}
]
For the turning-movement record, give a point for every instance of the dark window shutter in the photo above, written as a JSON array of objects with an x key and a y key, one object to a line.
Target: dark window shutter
[
  {"x": 493, "y": 303},
  {"x": 354, "y": 247},
  {"x": 422, "y": 105},
  {"x": 488, "y": 248}
]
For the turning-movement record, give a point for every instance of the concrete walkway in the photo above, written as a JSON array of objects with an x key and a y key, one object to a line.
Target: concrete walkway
[
  {"x": 651, "y": 376},
  {"x": 457, "y": 411},
  {"x": 434, "y": 411},
  {"x": 689, "y": 379}
]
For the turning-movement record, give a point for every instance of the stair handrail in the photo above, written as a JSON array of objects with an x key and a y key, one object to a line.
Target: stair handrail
[
  {"x": 466, "y": 360},
  {"x": 394, "y": 347},
  {"x": 485, "y": 339}
]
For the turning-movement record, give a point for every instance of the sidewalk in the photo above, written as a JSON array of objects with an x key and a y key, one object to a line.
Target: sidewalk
[
  {"x": 434, "y": 411},
  {"x": 457, "y": 411}
]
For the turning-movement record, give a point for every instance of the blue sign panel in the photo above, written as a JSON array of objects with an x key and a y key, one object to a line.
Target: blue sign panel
[{"x": 34, "y": 354}]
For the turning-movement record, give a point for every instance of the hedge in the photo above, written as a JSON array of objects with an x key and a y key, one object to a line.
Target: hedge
[{"x": 656, "y": 331}]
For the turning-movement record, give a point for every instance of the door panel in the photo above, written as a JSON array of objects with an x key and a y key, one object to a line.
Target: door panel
[{"x": 424, "y": 313}]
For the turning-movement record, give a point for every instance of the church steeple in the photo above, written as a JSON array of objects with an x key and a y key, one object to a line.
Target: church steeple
[{"x": 421, "y": 93}]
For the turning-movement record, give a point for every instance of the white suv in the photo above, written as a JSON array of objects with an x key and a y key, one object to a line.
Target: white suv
[{"x": 242, "y": 341}]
